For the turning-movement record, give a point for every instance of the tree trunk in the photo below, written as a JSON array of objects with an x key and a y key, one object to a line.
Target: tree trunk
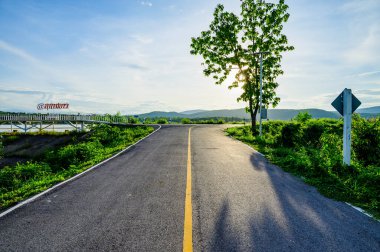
[
  {"x": 253, "y": 113},
  {"x": 253, "y": 119},
  {"x": 253, "y": 110}
]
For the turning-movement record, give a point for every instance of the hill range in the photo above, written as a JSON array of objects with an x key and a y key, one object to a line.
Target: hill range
[{"x": 273, "y": 114}]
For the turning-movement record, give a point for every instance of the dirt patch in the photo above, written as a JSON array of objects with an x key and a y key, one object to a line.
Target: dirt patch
[
  {"x": 29, "y": 147},
  {"x": 11, "y": 161}
]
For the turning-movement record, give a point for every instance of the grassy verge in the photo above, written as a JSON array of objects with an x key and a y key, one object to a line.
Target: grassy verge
[
  {"x": 312, "y": 150},
  {"x": 24, "y": 180}
]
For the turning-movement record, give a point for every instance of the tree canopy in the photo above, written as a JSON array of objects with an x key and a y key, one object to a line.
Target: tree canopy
[{"x": 231, "y": 44}]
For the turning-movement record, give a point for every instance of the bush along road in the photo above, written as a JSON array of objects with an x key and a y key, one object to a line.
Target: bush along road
[
  {"x": 23, "y": 180},
  {"x": 312, "y": 150}
]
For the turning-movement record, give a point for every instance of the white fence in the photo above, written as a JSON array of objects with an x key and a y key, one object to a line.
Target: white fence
[{"x": 62, "y": 118}]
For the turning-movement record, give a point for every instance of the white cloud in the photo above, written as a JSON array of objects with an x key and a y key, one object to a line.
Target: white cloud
[
  {"x": 363, "y": 51},
  {"x": 360, "y": 6},
  {"x": 171, "y": 7},
  {"x": 368, "y": 92},
  {"x": 146, "y": 40},
  {"x": 36, "y": 71},
  {"x": 369, "y": 73},
  {"x": 146, "y": 3},
  {"x": 369, "y": 97},
  {"x": 17, "y": 52}
]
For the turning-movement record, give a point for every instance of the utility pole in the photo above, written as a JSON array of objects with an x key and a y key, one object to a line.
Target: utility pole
[{"x": 261, "y": 87}]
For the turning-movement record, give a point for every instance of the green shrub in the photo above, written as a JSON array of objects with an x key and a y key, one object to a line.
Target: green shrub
[
  {"x": 331, "y": 150},
  {"x": 332, "y": 126},
  {"x": 107, "y": 135},
  {"x": 312, "y": 131},
  {"x": 73, "y": 155},
  {"x": 366, "y": 140},
  {"x": 133, "y": 120},
  {"x": 7, "y": 178},
  {"x": 370, "y": 177},
  {"x": 273, "y": 127},
  {"x": 302, "y": 117},
  {"x": 30, "y": 170},
  {"x": 132, "y": 134},
  {"x": 290, "y": 135},
  {"x": 162, "y": 121},
  {"x": 185, "y": 121},
  {"x": 239, "y": 131},
  {"x": 11, "y": 177}
]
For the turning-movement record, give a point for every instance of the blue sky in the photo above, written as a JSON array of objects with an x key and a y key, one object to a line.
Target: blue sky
[{"x": 133, "y": 56}]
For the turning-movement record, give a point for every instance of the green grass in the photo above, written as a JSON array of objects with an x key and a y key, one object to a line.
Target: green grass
[
  {"x": 24, "y": 180},
  {"x": 312, "y": 150}
]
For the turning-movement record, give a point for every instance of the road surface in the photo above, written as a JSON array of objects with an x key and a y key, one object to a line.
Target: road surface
[{"x": 136, "y": 202}]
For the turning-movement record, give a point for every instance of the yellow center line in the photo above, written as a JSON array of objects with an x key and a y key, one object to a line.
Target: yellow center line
[{"x": 188, "y": 223}]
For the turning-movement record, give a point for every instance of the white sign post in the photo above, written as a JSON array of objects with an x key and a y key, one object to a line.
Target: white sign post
[
  {"x": 347, "y": 114},
  {"x": 346, "y": 103}
]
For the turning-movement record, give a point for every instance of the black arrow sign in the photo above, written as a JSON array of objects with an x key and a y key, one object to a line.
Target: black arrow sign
[{"x": 338, "y": 103}]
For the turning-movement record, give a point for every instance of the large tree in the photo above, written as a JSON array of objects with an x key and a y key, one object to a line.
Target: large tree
[{"x": 231, "y": 44}]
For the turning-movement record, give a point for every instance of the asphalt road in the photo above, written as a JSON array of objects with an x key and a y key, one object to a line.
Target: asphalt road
[{"x": 136, "y": 202}]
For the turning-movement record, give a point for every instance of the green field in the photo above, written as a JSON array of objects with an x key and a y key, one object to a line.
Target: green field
[{"x": 312, "y": 150}]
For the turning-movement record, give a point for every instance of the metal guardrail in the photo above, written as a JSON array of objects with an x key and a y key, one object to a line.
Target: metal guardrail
[{"x": 62, "y": 118}]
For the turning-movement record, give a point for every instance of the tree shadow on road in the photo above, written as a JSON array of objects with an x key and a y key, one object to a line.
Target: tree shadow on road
[
  {"x": 293, "y": 216},
  {"x": 224, "y": 238}
]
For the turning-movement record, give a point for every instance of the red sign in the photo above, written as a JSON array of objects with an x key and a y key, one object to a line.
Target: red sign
[{"x": 48, "y": 106}]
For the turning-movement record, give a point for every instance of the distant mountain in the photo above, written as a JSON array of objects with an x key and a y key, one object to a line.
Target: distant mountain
[
  {"x": 273, "y": 114},
  {"x": 370, "y": 110},
  {"x": 287, "y": 114},
  {"x": 159, "y": 114},
  {"x": 239, "y": 113},
  {"x": 370, "y": 115},
  {"x": 189, "y": 112}
]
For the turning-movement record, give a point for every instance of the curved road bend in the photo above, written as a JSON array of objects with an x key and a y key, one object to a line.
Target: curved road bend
[{"x": 136, "y": 202}]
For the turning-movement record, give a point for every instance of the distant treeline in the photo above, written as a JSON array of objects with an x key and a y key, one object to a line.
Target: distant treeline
[{"x": 210, "y": 120}]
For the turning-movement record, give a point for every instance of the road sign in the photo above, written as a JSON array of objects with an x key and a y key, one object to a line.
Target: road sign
[
  {"x": 346, "y": 103},
  {"x": 264, "y": 113},
  {"x": 338, "y": 103}
]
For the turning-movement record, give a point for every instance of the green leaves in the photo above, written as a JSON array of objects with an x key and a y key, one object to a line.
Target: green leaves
[
  {"x": 218, "y": 44},
  {"x": 228, "y": 47},
  {"x": 366, "y": 140},
  {"x": 302, "y": 117}
]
